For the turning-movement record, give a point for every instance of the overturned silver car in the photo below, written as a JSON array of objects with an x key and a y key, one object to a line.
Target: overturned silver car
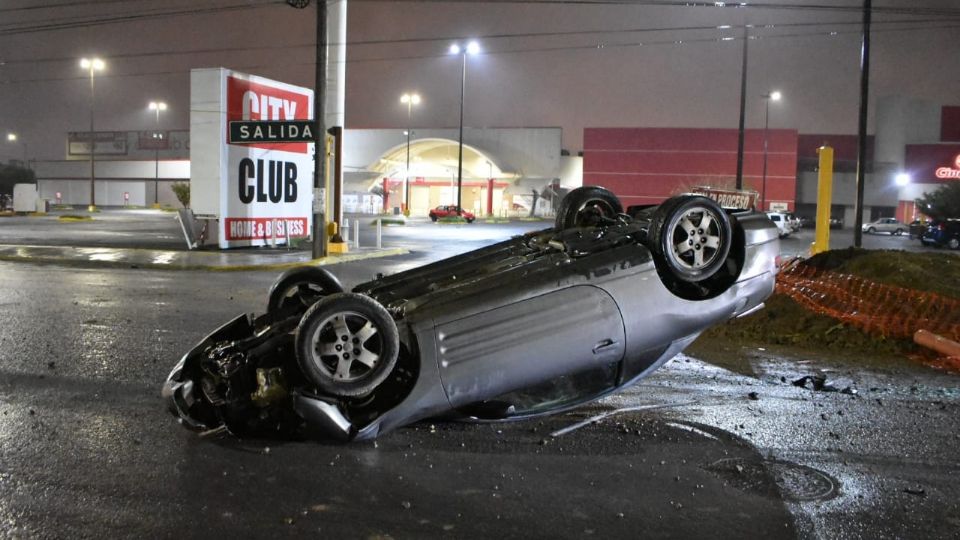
[{"x": 536, "y": 324}]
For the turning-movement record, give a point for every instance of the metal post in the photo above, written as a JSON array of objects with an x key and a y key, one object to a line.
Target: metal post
[
  {"x": 463, "y": 84},
  {"x": 320, "y": 146},
  {"x": 93, "y": 143},
  {"x": 743, "y": 107},
  {"x": 766, "y": 127},
  {"x": 356, "y": 233},
  {"x": 406, "y": 186},
  {"x": 862, "y": 132},
  {"x": 824, "y": 199},
  {"x": 379, "y": 233},
  {"x": 156, "y": 160}
]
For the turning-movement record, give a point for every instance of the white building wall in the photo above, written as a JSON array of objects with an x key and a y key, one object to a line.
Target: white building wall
[
  {"x": 902, "y": 120},
  {"x": 113, "y": 178},
  {"x": 529, "y": 152}
]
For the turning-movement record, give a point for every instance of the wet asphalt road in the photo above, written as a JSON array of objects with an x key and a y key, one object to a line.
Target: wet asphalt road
[{"x": 87, "y": 449}]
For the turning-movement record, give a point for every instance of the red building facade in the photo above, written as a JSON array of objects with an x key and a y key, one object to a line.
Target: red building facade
[{"x": 648, "y": 165}]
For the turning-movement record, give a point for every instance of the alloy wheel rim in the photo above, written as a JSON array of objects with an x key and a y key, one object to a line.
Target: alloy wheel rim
[
  {"x": 346, "y": 346},
  {"x": 696, "y": 239}
]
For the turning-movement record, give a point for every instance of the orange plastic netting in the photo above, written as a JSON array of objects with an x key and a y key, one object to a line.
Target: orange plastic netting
[{"x": 876, "y": 308}]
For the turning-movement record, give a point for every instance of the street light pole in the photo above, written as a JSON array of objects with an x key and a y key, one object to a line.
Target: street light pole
[
  {"x": 93, "y": 65},
  {"x": 774, "y": 96},
  {"x": 410, "y": 100},
  {"x": 157, "y": 106},
  {"x": 472, "y": 48}
]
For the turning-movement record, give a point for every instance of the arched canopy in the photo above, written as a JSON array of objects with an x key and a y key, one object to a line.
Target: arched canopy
[{"x": 437, "y": 158}]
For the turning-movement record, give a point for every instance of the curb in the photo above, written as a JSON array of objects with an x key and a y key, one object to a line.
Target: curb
[{"x": 88, "y": 263}]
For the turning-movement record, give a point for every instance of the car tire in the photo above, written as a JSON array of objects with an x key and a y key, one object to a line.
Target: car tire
[
  {"x": 898, "y": 232},
  {"x": 470, "y": 220},
  {"x": 300, "y": 288},
  {"x": 347, "y": 344},
  {"x": 872, "y": 230},
  {"x": 953, "y": 243},
  {"x": 587, "y": 206},
  {"x": 678, "y": 222},
  {"x": 433, "y": 218}
]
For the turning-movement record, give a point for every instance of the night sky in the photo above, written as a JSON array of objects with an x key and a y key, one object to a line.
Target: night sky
[{"x": 646, "y": 65}]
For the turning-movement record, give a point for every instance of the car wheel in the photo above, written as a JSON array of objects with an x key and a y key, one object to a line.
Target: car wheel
[
  {"x": 691, "y": 236},
  {"x": 433, "y": 218},
  {"x": 301, "y": 288},
  {"x": 587, "y": 206},
  {"x": 470, "y": 220},
  {"x": 953, "y": 243},
  {"x": 898, "y": 232},
  {"x": 872, "y": 230},
  {"x": 347, "y": 344}
]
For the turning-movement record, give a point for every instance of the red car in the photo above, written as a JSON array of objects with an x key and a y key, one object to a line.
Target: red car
[{"x": 443, "y": 211}]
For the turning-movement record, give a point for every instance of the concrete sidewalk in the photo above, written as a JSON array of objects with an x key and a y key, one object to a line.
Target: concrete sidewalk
[{"x": 217, "y": 261}]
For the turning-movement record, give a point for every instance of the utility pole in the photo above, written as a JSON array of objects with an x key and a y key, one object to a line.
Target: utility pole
[
  {"x": 862, "y": 131},
  {"x": 320, "y": 147},
  {"x": 743, "y": 109},
  {"x": 320, "y": 129}
]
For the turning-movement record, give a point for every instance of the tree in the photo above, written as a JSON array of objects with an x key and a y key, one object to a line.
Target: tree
[
  {"x": 943, "y": 203},
  {"x": 182, "y": 191},
  {"x": 13, "y": 174}
]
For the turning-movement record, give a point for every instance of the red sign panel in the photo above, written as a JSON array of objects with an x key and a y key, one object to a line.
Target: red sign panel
[{"x": 247, "y": 100}]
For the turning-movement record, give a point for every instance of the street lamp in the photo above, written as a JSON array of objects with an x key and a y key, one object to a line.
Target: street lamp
[
  {"x": 472, "y": 48},
  {"x": 13, "y": 138},
  {"x": 157, "y": 106},
  {"x": 772, "y": 96},
  {"x": 409, "y": 100},
  {"x": 92, "y": 65}
]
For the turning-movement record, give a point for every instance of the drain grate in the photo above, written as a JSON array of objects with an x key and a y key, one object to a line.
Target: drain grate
[{"x": 792, "y": 481}]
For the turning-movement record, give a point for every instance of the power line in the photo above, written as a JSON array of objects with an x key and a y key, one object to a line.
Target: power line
[
  {"x": 559, "y": 48},
  {"x": 75, "y": 3},
  {"x": 88, "y": 21},
  {"x": 737, "y": 5},
  {"x": 486, "y": 37}
]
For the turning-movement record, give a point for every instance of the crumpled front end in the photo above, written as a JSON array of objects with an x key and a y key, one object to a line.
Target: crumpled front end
[{"x": 241, "y": 380}]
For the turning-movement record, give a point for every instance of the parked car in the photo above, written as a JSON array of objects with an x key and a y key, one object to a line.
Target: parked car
[
  {"x": 536, "y": 324},
  {"x": 942, "y": 233},
  {"x": 887, "y": 225},
  {"x": 807, "y": 222},
  {"x": 782, "y": 223},
  {"x": 443, "y": 211},
  {"x": 917, "y": 227},
  {"x": 836, "y": 223}
]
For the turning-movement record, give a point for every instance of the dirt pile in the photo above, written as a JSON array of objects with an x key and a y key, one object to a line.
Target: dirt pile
[{"x": 785, "y": 323}]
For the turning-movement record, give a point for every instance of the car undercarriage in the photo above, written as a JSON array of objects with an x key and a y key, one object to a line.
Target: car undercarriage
[{"x": 534, "y": 324}]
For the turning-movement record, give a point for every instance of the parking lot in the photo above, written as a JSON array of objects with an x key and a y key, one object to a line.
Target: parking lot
[{"x": 694, "y": 451}]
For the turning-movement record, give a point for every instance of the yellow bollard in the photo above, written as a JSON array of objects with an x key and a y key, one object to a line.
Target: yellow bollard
[{"x": 821, "y": 241}]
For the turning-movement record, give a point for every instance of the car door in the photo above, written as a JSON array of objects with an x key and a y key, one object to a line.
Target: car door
[{"x": 521, "y": 345}]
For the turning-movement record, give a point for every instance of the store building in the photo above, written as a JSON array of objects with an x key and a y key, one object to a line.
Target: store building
[
  {"x": 506, "y": 169},
  {"x": 647, "y": 165},
  {"x": 502, "y": 167},
  {"x": 915, "y": 149}
]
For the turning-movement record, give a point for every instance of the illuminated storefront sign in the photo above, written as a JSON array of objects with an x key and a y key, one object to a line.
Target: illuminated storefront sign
[{"x": 950, "y": 172}]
